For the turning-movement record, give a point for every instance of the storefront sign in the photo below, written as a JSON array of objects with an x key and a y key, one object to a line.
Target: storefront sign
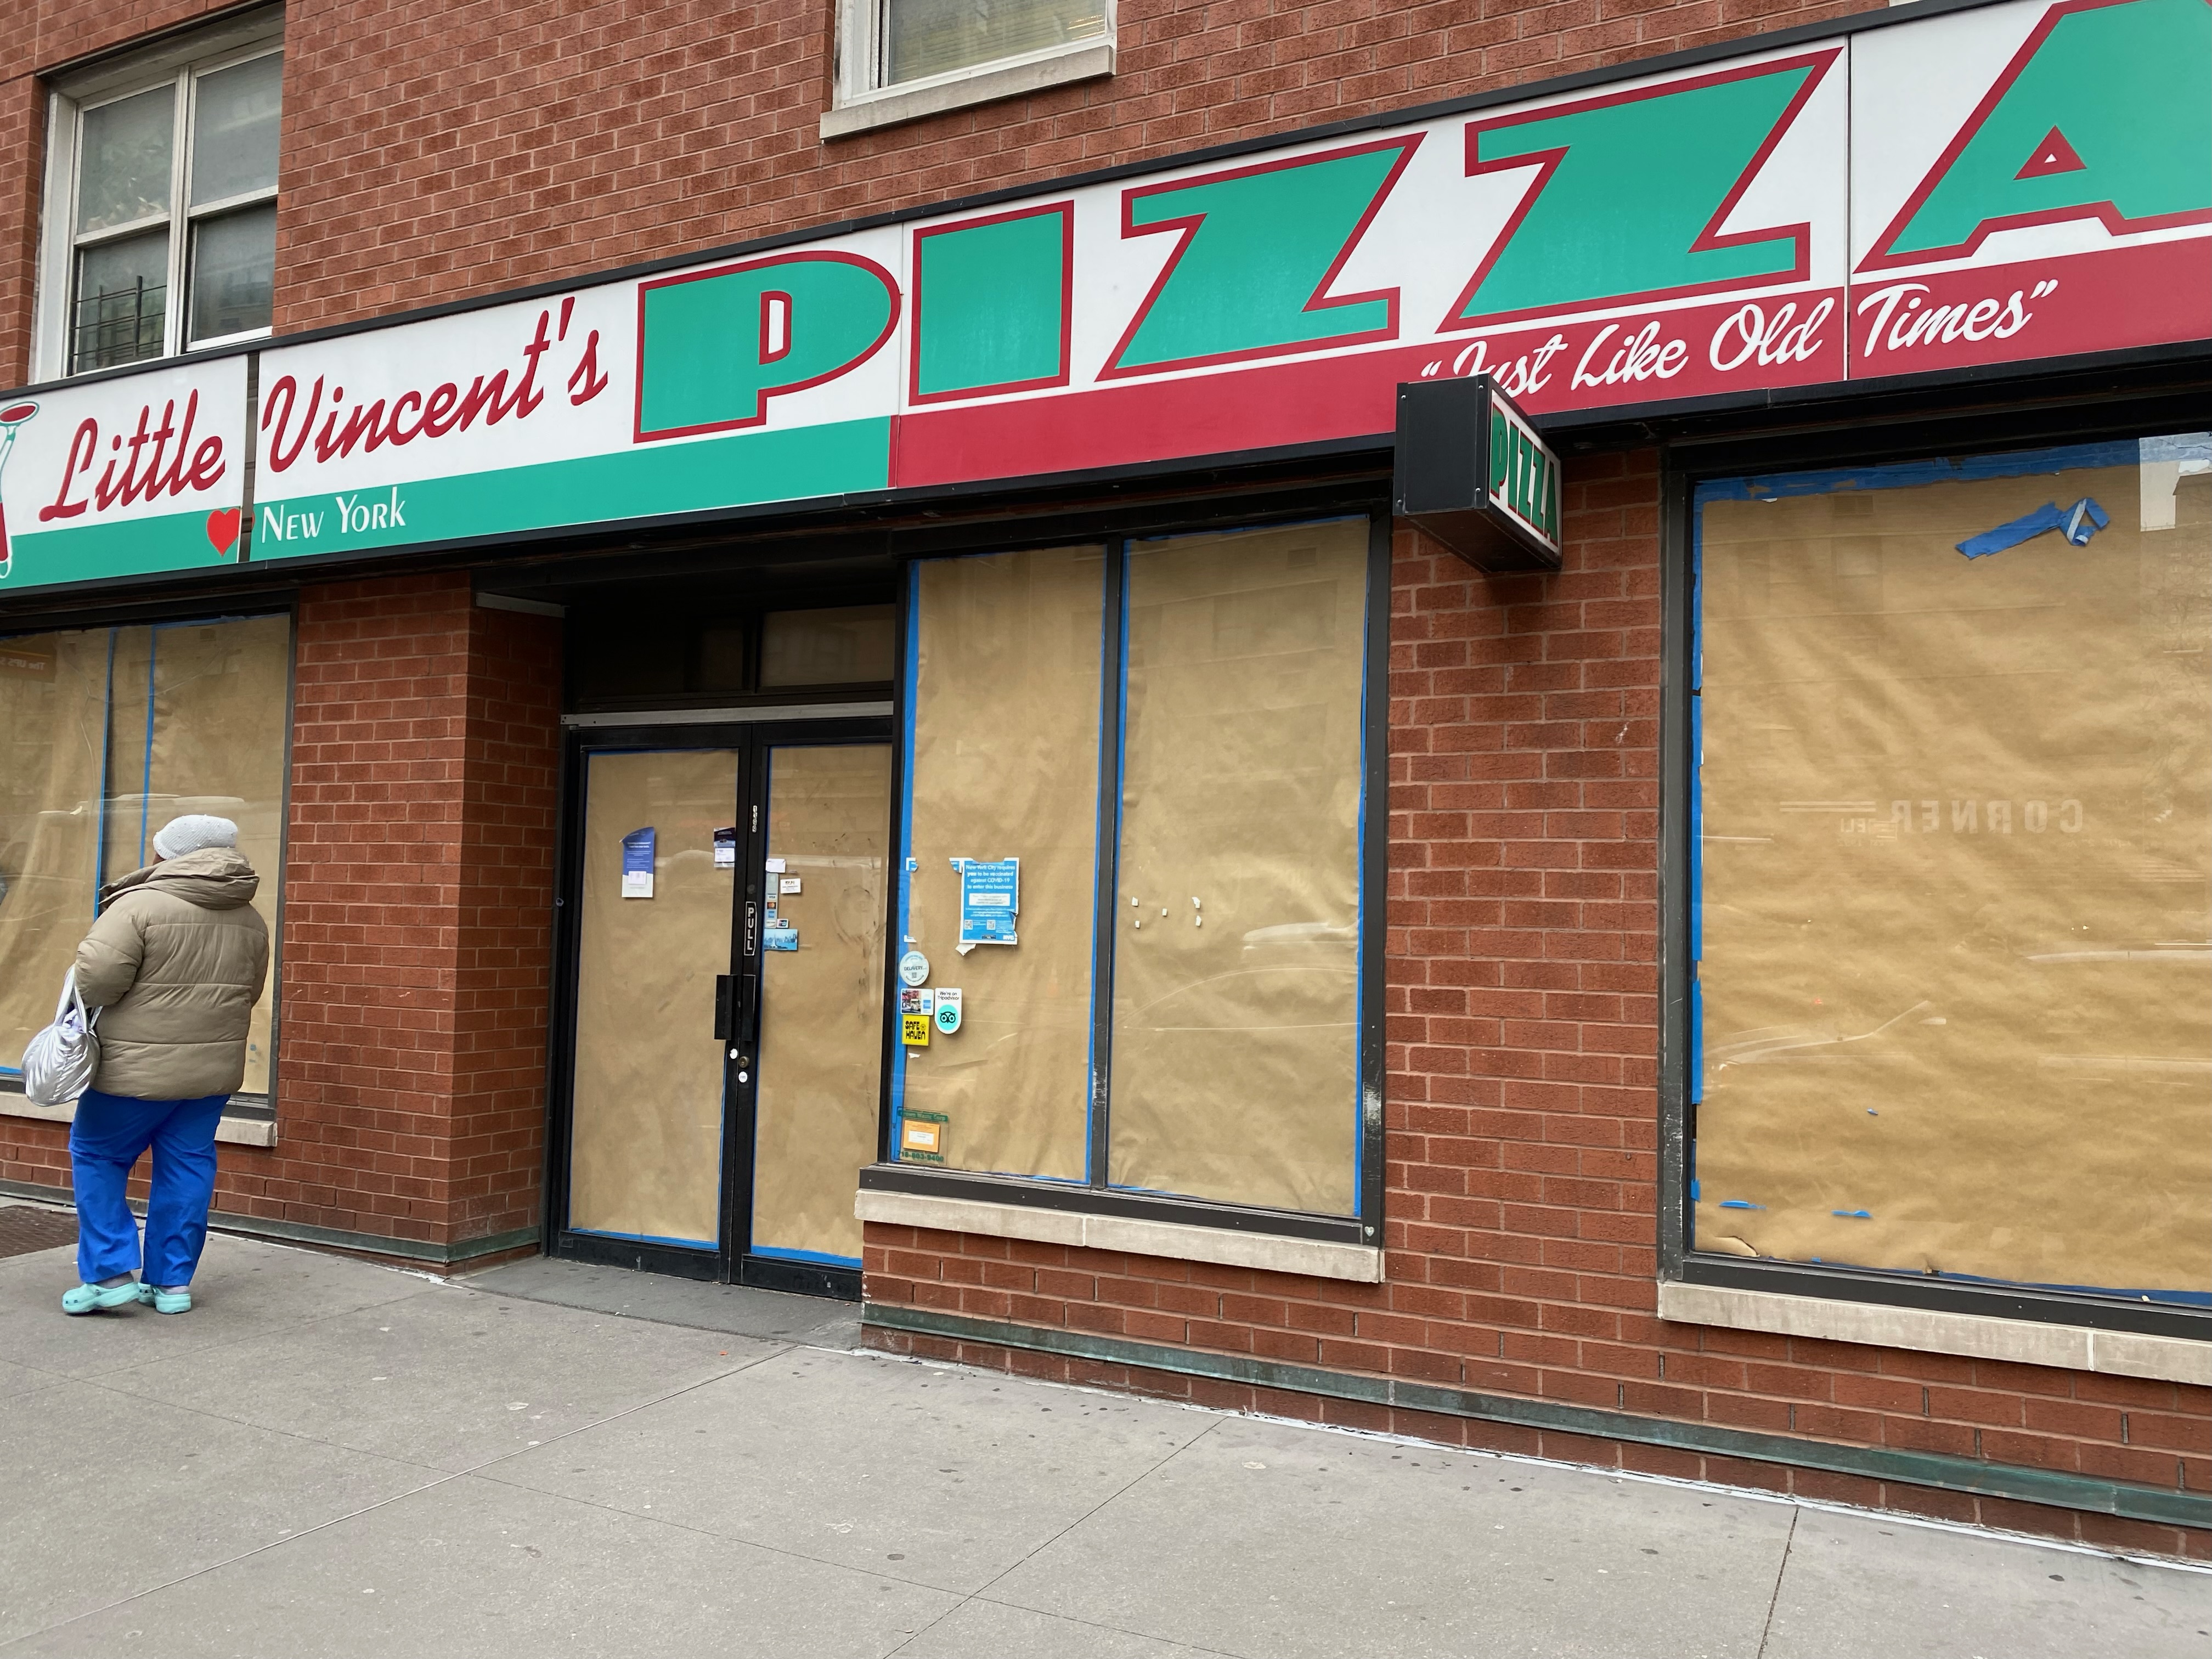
[
  {"x": 1472, "y": 472},
  {"x": 2016, "y": 182},
  {"x": 123, "y": 477}
]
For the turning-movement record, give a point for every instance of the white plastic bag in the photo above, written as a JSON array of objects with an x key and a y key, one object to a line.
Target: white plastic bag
[{"x": 59, "y": 1062}]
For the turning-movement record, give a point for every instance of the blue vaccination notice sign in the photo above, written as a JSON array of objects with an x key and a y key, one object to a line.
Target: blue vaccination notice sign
[{"x": 990, "y": 901}]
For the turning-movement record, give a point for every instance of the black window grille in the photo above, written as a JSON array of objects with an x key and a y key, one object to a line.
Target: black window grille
[{"x": 119, "y": 325}]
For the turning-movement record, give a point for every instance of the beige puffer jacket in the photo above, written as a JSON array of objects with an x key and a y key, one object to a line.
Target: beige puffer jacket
[{"x": 177, "y": 961}]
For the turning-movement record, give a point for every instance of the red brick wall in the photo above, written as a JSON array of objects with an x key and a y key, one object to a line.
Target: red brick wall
[
  {"x": 1522, "y": 1109},
  {"x": 418, "y": 915},
  {"x": 503, "y": 962},
  {"x": 416, "y": 925},
  {"x": 436, "y": 150}
]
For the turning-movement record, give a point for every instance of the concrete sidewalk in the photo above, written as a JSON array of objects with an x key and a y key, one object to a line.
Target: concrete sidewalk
[{"x": 330, "y": 1458}]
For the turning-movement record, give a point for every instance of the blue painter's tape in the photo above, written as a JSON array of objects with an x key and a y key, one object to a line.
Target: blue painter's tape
[
  {"x": 2025, "y": 528},
  {"x": 1740, "y": 1204},
  {"x": 2076, "y": 523},
  {"x": 909, "y": 866},
  {"x": 1693, "y": 1192},
  {"x": 2077, "y": 530},
  {"x": 647, "y": 1238},
  {"x": 819, "y": 1258},
  {"x": 1906, "y": 474},
  {"x": 1853, "y": 1215}
]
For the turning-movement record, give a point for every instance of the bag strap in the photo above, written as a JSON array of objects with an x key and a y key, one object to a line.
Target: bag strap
[{"x": 73, "y": 997}]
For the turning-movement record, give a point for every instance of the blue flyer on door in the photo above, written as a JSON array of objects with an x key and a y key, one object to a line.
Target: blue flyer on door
[
  {"x": 990, "y": 900},
  {"x": 637, "y": 864}
]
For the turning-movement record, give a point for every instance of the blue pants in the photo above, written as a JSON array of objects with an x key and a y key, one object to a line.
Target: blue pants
[{"x": 110, "y": 1132}]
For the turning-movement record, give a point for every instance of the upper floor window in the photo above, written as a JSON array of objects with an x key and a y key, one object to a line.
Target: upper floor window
[
  {"x": 161, "y": 224},
  {"x": 901, "y": 59},
  {"x": 922, "y": 38}
]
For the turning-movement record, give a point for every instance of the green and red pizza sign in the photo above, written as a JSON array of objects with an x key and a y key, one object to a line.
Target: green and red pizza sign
[{"x": 2016, "y": 182}]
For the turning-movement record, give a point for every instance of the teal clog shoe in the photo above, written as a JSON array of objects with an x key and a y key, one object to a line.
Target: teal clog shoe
[
  {"x": 91, "y": 1298},
  {"x": 167, "y": 1301}
]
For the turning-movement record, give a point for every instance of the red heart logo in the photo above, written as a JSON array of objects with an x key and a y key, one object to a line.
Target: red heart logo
[{"x": 222, "y": 529}]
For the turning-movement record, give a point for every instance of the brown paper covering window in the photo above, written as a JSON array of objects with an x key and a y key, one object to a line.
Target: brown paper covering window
[
  {"x": 1006, "y": 765},
  {"x": 210, "y": 737},
  {"x": 822, "y": 1008},
  {"x": 645, "y": 1137},
  {"x": 53, "y": 724},
  {"x": 1235, "y": 1041},
  {"x": 1956, "y": 813}
]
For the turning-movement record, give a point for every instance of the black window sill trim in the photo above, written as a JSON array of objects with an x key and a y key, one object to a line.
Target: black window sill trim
[
  {"x": 2043, "y": 1307},
  {"x": 1069, "y": 1197}
]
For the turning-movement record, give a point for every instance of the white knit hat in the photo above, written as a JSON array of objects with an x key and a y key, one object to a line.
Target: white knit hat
[{"x": 193, "y": 833}]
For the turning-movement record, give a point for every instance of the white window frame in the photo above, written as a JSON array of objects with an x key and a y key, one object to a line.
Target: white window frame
[
  {"x": 179, "y": 63},
  {"x": 860, "y": 102}
]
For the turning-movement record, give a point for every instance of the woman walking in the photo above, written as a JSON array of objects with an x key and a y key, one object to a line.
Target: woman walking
[{"x": 176, "y": 960}]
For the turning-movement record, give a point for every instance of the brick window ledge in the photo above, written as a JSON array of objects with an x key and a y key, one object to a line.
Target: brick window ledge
[
  {"x": 1134, "y": 1236},
  {"x": 1974, "y": 1336},
  {"x": 239, "y": 1130}
]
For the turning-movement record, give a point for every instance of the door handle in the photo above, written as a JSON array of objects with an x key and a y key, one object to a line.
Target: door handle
[{"x": 725, "y": 988}]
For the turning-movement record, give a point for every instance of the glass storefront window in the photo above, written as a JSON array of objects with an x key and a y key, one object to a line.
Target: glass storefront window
[
  {"x": 1236, "y": 937},
  {"x": 1952, "y": 980},
  {"x": 1219, "y": 1056},
  {"x": 1003, "y": 762},
  {"x": 105, "y": 734}
]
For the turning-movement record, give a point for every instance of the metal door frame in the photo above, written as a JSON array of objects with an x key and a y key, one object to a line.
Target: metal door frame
[{"x": 732, "y": 1009}]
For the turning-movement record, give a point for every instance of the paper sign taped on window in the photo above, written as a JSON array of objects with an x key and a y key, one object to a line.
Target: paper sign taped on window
[
  {"x": 990, "y": 901},
  {"x": 637, "y": 864},
  {"x": 778, "y": 936},
  {"x": 921, "y": 1137},
  {"x": 726, "y": 848},
  {"x": 787, "y": 885}
]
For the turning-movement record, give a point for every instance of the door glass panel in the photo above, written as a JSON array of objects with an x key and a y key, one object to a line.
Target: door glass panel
[
  {"x": 646, "y": 1140},
  {"x": 822, "y": 1002},
  {"x": 1236, "y": 936}
]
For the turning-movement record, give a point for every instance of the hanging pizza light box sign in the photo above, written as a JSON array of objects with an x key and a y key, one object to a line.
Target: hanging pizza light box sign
[{"x": 1472, "y": 472}]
